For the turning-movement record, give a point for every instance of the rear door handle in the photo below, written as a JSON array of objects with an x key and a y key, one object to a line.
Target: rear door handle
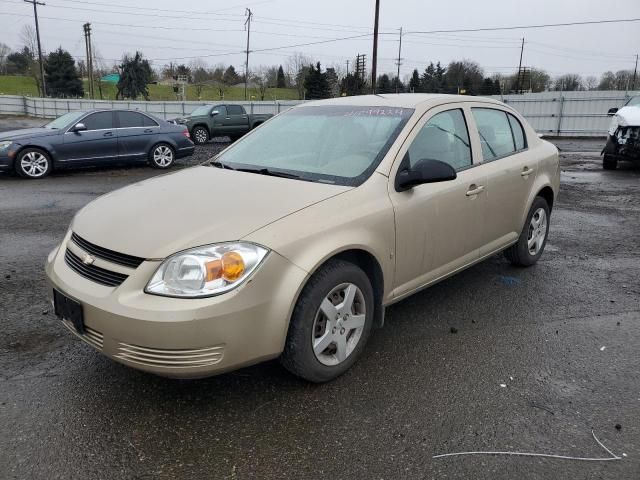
[
  {"x": 527, "y": 171},
  {"x": 107, "y": 134},
  {"x": 148, "y": 130},
  {"x": 474, "y": 190}
]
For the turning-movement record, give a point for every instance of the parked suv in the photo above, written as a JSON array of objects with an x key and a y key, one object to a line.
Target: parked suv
[
  {"x": 623, "y": 141},
  {"x": 329, "y": 213},
  {"x": 228, "y": 120},
  {"x": 96, "y": 137}
]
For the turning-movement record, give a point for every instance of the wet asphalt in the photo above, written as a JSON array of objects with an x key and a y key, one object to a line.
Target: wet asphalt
[{"x": 539, "y": 358}]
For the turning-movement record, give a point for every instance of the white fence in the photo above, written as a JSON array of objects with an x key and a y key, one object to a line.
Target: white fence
[
  {"x": 550, "y": 113},
  {"x": 54, "y": 107}
]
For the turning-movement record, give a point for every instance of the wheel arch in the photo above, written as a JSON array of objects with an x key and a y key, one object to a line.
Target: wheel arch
[
  {"x": 46, "y": 149},
  {"x": 546, "y": 192},
  {"x": 203, "y": 125}
]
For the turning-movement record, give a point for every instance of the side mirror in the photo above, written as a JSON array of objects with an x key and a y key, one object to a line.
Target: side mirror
[
  {"x": 612, "y": 111},
  {"x": 214, "y": 113},
  {"x": 425, "y": 171},
  {"x": 79, "y": 127}
]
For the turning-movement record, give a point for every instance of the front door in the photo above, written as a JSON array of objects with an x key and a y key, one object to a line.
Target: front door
[
  {"x": 237, "y": 120},
  {"x": 97, "y": 144},
  {"x": 438, "y": 225}
]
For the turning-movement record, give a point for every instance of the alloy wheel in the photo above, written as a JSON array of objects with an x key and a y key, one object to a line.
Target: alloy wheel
[
  {"x": 338, "y": 324},
  {"x": 34, "y": 164},
  {"x": 163, "y": 156},
  {"x": 537, "y": 231},
  {"x": 200, "y": 135}
]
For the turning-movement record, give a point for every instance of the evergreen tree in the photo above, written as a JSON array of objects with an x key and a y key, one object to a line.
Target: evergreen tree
[
  {"x": 352, "y": 84},
  {"x": 488, "y": 87},
  {"x": 397, "y": 85},
  {"x": 135, "y": 74},
  {"x": 315, "y": 84},
  {"x": 281, "y": 81},
  {"x": 415, "y": 85},
  {"x": 428, "y": 81},
  {"x": 384, "y": 84},
  {"x": 230, "y": 76},
  {"x": 61, "y": 75}
]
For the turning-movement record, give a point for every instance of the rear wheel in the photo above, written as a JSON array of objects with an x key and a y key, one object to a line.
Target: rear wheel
[
  {"x": 162, "y": 156},
  {"x": 33, "y": 163},
  {"x": 533, "y": 238},
  {"x": 330, "y": 324},
  {"x": 200, "y": 135},
  {"x": 609, "y": 163}
]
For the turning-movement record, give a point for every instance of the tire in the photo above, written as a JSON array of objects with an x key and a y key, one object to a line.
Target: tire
[
  {"x": 200, "y": 135},
  {"x": 609, "y": 163},
  {"x": 33, "y": 163},
  {"x": 339, "y": 340},
  {"x": 524, "y": 253},
  {"x": 162, "y": 156}
]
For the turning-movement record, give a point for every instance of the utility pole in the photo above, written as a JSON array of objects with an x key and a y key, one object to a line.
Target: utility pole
[
  {"x": 635, "y": 73},
  {"x": 87, "y": 41},
  {"x": 347, "y": 67},
  {"x": 399, "y": 62},
  {"x": 375, "y": 48},
  {"x": 520, "y": 67},
  {"x": 35, "y": 15},
  {"x": 247, "y": 24}
]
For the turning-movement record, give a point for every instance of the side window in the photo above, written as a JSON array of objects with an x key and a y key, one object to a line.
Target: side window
[
  {"x": 222, "y": 110},
  {"x": 235, "y": 110},
  {"x": 130, "y": 119},
  {"x": 518, "y": 132},
  {"x": 495, "y": 133},
  {"x": 444, "y": 137},
  {"x": 99, "y": 121}
]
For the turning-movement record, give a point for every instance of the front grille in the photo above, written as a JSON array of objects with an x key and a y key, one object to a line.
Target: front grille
[
  {"x": 90, "y": 336},
  {"x": 106, "y": 254},
  {"x": 157, "y": 357},
  {"x": 97, "y": 274}
]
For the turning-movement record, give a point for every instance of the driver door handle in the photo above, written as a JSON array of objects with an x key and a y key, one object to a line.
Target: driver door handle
[
  {"x": 107, "y": 134},
  {"x": 527, "y": 171},
  {"x": 474, "y": 190}
]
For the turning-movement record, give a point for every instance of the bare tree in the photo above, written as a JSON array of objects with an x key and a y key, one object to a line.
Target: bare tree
[
  {"x": 261, "y": 79},
  {"x": 591, "y": 82},
  {"x": 297, "y": 68},
  {"x": 4, "y": 51},
  {"x": 30, "y": 40}
]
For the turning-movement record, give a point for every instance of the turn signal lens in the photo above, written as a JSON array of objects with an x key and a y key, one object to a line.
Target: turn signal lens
[
  {"x": 214, "y": 270},
  {"x": 232, "y": 266}
]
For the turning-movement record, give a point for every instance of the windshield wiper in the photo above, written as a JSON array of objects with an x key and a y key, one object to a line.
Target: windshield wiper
[
  {"x": 266, "y": 171},
  {"x": 219, "y": 164}
]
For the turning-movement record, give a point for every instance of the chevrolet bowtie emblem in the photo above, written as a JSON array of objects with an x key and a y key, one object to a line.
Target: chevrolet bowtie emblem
[{"x": 88, "y": 259}]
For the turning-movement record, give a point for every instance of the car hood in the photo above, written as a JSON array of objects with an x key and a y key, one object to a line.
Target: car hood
[
  {"x": 197, "y": 206},
  {"x": 27, "y": 133},
  {"x": 625, "y": 117}
]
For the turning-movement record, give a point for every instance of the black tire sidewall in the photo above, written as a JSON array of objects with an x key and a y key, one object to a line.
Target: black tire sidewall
[
  {"x": 153, "y": 162},
  {"x": 525, "y": 257},
  {"x": 195, "y": 138},
  {"x": 298, "y": 356},
  {"x": 18, "y": 163}
]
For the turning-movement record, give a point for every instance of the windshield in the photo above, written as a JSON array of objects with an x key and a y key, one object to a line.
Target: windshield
[
  {"x": 331, "y": 144},
  {"x": 65, "y": 120},
  {"x": 633, "y": 102},
  {"x": 203, "y": 110}
]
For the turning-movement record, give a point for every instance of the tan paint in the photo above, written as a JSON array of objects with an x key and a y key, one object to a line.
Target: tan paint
[{"x": 418, "y": 237}]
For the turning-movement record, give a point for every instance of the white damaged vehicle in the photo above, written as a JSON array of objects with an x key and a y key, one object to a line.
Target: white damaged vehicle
[{"x": 623, "y": 142}]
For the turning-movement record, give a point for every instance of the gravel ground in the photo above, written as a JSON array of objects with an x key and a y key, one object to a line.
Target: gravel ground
[{"x": 539, "y": 357}]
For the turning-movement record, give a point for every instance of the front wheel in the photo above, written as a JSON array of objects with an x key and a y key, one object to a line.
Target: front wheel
[
  {"x": 200, "y": 135},
  {"x": 33, "y": 163},
  {"x": 161, "y": 156},
  {"x": 330, "y": 324},
  {"x": 533, "y": 238},
  {"x": 609, "y": 163}
]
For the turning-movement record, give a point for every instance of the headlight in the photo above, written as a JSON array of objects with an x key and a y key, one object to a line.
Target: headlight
[
  {"x": 206, "y": 271},
  {"x": 4, "y": 144}
]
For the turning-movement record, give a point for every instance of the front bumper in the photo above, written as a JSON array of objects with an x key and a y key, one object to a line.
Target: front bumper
[
  {"x": 6, "y": 160},
  {"x": 182, "y": 338}
]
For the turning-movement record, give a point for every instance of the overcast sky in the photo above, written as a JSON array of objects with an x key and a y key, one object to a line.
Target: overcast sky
[{"x": 166, "y": 30}]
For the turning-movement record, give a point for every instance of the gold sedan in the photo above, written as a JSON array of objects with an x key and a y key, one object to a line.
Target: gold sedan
[{"x": 292, "y": 241}]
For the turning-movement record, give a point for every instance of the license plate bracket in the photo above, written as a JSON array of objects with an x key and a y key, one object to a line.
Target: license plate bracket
[{"x": 68, "y": 309}]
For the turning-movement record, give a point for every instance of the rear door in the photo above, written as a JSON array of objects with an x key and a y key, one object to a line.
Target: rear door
[
  {"x": 511, "y": 171},
  {"x": 136, "y": 134},
  {"x": 97, "y": 144},
  {"x": 237, "y": 120}
]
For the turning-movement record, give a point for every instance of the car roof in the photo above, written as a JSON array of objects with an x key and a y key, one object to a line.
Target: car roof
[{"x": 401, "y": 100}]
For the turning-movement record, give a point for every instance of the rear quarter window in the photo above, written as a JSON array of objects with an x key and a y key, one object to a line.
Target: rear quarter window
[{"x": 496, "y": 137}]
